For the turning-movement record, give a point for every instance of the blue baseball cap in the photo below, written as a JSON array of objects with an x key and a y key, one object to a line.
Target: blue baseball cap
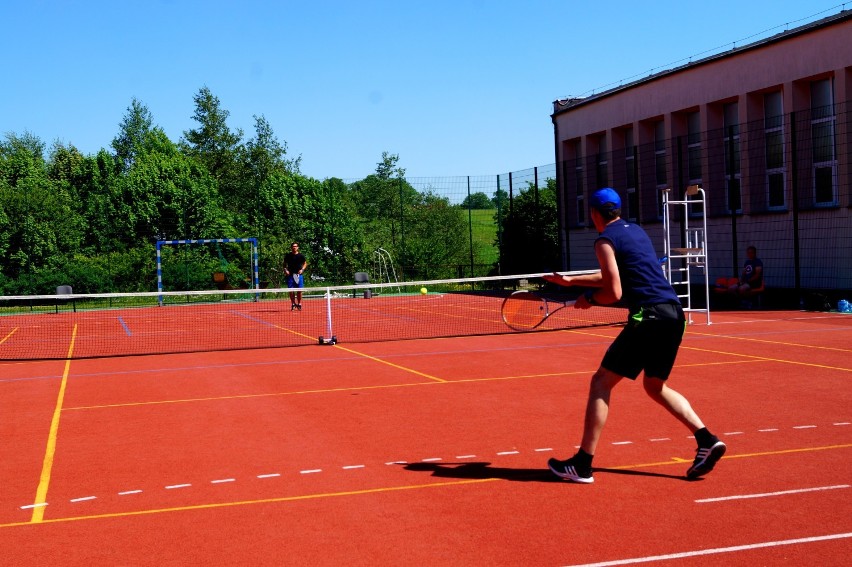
[{"x": 605, "y": 199}]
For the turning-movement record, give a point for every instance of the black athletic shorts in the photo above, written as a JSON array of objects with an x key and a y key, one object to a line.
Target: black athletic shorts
[{"x": 649, "y": 342}]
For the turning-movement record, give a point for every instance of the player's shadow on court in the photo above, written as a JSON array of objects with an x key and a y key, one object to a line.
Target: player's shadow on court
[{"x": 483, "y": 470}]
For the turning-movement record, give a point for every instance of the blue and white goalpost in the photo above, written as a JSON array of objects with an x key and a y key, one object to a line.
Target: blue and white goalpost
[{"x": 255, "y": 284}]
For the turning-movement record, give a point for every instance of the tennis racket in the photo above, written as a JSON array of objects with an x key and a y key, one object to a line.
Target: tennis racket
[
  {"x": 525, "y": 310},
  {"x": 296, "y": 279}
]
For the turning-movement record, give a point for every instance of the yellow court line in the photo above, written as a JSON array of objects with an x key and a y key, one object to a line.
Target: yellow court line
[
  {"x": 680, "y": 461},
  {"x": 430, "y": 377},
  {"x": 7, "y": 337},
  {"x": 675, "y": 461},
  {"x": 261, "y": 501},
  {"x": 769, "y": 359},
  {"x": 734, "y": 337},
  {"x": 588, "y": 372},
  {"x": 50, "y": 451}
]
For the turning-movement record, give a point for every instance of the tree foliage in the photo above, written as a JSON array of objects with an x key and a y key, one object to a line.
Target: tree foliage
[{"x": 93, "y": 220}]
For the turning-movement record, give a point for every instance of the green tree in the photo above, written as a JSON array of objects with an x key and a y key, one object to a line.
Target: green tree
[
  {"x": 477, "y": 200},
  {"x": 530, "y": 237},
  {"x": 135, "y": 126}
]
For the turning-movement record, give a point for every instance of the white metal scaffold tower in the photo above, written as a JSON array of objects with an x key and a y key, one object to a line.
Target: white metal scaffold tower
[{"x": 680, "y": 261}]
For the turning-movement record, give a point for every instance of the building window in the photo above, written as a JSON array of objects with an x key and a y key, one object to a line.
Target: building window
[
  {"x": 603, "y": 163},
  {"x": 578, "y": 182},
  {"x": 660, "y": 164},
  {"x": 693, "y": 158},
  {"x": 632, "y": 212},
  {"x": 693, "y": 147},
  {"x": 776, "y": 171},
  {"x": 732, "y": 157},
  {"x": 823, "y": 142}
]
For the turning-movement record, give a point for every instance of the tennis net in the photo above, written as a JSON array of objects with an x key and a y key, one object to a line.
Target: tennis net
[{"x": 39, "y": 327}]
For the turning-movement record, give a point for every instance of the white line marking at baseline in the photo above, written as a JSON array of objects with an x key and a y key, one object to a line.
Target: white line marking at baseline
[
  {"x": 431, "y": 459},
  {"x": 841, "y": 423},
  {"x": 83, "y": 499},
  {"x": 466, "y": 457},
  {"x": 543, "y": 449},
  {"x": 804, "y": 427},
  {"x": 223, "y": 480},
  {"x": 310, "y": 471},
  {"x": 173, "y": 486},
  {"x": 622, "y": 442},
  {"x": 503, "y": 453},
  {"x": 767, "y": 494},
  {"x": 768, "y": 430},
  {"x": 350, "y": 467},
  {"x": 126, "y": 492},
  {"x": 714, "y": 551},
  {"x": 270, "y": 475},
  {"x": 30, "y": 506},
  {"x": 660, "y": 439}
]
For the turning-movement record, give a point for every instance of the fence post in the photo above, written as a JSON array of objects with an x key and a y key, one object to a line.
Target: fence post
[{"x": 794, "y": 167}]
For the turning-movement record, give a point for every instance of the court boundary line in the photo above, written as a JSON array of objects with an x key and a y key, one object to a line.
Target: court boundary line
[
  {"x": 52, "y": 437},
  {"x": 674, "y": 461},
  {"x": 715, "y": 550}
]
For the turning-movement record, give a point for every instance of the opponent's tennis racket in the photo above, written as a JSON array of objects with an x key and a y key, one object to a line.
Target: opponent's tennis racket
[{"x": 525, "y": 310}]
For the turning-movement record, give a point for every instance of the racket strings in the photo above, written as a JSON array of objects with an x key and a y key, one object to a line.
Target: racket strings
[{"x": 525, "y": 312}]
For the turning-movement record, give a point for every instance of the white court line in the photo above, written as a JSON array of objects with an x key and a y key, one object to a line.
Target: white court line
[
  {"x": 83, "y": 499},
  {"x": 686, "y": 554},
  {"x": 804, "y": 427},
  {"x": 126, "y": 492},
  {"x": 767, "y": 494},
  {"x": 504, "y": 453},
  {"x": 39, "y": 505},
  {"x": 223, "y": 480},
  {"x": 431, "y": 459},
  {"x": 768, "y": 430},
  {"x": 270, "y": 475},
  {"x": 622, "y": 442},
  {"x": 310, "y": 471},
  {"x": 841, "y": 423},
  {"x": 174, "y": 486},
  {"x": 660, "y": 439},
  {"x": 350, "y": 467},
  {"x": 543, "y": 449},
  {"x": 465, "y": 456}
]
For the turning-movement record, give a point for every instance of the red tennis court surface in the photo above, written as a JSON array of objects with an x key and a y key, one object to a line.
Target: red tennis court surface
[{"x": 431, "y": 452}]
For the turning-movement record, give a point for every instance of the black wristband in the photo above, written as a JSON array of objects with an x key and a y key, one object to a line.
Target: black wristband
[{"x": 590, "y": 296}]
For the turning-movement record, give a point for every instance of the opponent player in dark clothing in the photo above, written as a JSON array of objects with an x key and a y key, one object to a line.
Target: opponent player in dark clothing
[
  {"x": 630, "y": 272},
  {"x": 294, "y": 264}
]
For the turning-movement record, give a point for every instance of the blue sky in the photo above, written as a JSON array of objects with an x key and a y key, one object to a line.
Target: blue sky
[{"x": 452, "y": 87}]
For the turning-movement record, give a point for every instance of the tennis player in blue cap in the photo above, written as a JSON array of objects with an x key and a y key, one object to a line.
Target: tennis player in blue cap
[{"x": 630, "y": 273}]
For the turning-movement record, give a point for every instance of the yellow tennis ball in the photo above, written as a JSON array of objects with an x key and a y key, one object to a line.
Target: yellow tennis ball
[{"x": 423, "y": 290}]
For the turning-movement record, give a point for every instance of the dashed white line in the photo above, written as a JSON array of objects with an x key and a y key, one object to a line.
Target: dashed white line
[
  {"x": 841, "y": 423},
  {"x": 270, "y": 475},
  {"x": 223, "y": 480},
  {"x": 175, "y": 486},
  {"x": 465, "y": 456},
  {"x": 658, "y": 439},
  {"x": 804, "y": 427},
  {"x": 729, "y": 433},
  {"x": 431, "y": 459},
  {"x": 127, "y": 492},
  {"x": 83, "y": 499},
  {"x": 622, "y": 442},
  {"x": 768, "y": 494},
  {"x": 397, "y": 463},
  {"x": 770, "y": 429},
  {"x": 30, "y": 506},
  {"x": 310, "y": 471},
  {"x": 543, "y": 449},
  {"x": 504, "y": 453},
  {"x": 350, "y": 467}
]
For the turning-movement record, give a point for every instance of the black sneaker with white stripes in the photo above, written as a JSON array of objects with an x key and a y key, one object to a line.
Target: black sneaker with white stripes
[
  {"x": 569, "y": 469},
  {"x": 705, "y": 459}
]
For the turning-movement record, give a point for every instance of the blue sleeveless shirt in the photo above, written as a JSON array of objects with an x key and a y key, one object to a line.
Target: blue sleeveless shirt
[{"x": 643, "y": 282}]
